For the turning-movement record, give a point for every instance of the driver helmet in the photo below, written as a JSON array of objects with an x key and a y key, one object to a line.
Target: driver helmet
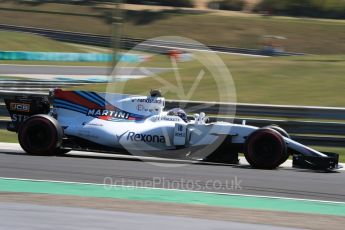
[{"x": 178, "y": 112}]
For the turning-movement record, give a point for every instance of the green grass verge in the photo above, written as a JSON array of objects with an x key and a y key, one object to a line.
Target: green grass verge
[
  {"x": 14, "y": 41},
  {"x": 323, "y": 37},
  {"x": 87, "y": 24},
  {"x": 12, "y": 78},
  {"x": 307, "y": 80},
  {"x": 49, "y": 7},
  {"x": 6, "y": 136},
  {"x": 304, "y": 35}
]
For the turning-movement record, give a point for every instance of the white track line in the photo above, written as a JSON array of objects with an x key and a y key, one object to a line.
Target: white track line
[{"x": 179, "y": 190}]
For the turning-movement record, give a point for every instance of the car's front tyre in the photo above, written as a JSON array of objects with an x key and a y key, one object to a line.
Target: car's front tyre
[{"x": 265, "y": 148}]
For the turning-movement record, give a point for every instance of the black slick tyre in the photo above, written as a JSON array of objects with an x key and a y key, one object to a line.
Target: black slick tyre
[
  {"x": 265, "y": 148},
  {"x": 40, "y": 135}
]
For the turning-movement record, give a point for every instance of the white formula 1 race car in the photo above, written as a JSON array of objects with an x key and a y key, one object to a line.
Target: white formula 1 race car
[{"x": 138, "y": 125}]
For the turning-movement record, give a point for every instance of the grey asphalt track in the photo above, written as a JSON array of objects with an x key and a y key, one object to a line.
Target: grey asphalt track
[
  {"x": 44, "y": 217},
  {"x": 284, "y": 182},
  {"x": 71, "y": 70}
]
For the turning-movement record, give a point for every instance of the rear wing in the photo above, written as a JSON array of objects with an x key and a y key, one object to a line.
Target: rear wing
[{"x": 21, "y": 108}]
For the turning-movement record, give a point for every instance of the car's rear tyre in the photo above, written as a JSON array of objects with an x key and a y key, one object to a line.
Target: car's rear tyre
[
  {"x": 265, "y": 148},
  {"x": 40, "y": 135}
]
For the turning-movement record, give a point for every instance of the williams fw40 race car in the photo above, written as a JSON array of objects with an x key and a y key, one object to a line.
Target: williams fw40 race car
[{"x": 138, "y": 125}]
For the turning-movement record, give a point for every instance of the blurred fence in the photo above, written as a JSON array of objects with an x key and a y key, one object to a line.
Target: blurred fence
[
  {"x": 15, "y": 87},
  {"x": 263, "y": 110}
]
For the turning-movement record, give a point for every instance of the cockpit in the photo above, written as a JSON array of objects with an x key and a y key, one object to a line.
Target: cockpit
[{"x": 178, "y": 112}]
